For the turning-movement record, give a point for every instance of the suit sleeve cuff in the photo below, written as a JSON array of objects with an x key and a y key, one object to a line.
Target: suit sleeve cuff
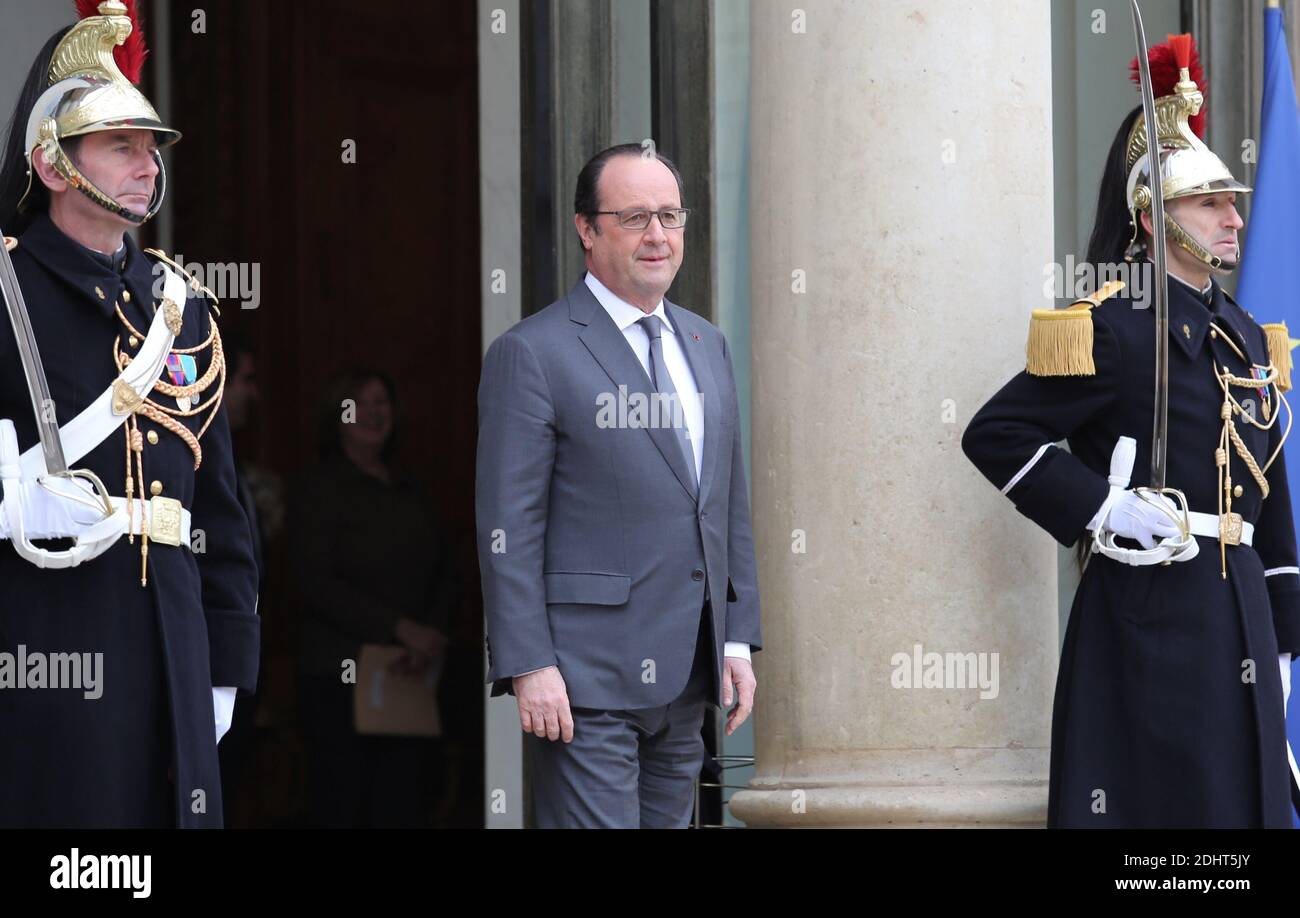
[{"x": 528, "y": 673}]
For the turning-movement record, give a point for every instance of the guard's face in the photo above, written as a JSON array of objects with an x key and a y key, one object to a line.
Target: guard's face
[
  {"x": 122, "y": 165},
  {"x": 1213, "y": 221},
  {"x": 637, "y": 265}
]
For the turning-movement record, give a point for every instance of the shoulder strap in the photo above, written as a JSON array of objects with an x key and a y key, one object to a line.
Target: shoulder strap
[{"x": 116, "y": 403}]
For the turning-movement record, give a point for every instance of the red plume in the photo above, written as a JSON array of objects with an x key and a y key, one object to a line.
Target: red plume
[
  {"x": 1178, "y": 51},
  {"x": 130, "y": 54}
]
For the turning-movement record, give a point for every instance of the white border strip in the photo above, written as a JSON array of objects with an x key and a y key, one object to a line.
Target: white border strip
[{"x": 1028, "y": 465}]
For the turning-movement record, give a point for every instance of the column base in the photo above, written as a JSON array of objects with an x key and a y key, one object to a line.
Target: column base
[{"x": 983, "y": 806}]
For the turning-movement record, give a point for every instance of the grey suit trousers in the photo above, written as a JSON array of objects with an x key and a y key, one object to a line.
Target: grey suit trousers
[{"x": 627, "y": 769}]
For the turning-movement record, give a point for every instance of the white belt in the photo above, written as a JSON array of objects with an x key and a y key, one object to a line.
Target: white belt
[
  {"x": 139, "y": 513},
  {"x": 1207, "y": 525}
]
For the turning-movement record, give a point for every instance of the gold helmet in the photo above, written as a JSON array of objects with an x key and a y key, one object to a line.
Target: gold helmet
[
  {"x": 89, "y": 92},
  {"x": 1187, "y": 166}
]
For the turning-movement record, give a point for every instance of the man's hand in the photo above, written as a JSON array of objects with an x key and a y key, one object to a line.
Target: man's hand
[
  {"x": 544, "y": 704},
  {"x": 1137, "y": 516},
  {"x": 738, "y": 671}
]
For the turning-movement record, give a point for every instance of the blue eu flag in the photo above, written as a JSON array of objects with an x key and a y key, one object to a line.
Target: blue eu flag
[{"x": 1270, "y": 275}]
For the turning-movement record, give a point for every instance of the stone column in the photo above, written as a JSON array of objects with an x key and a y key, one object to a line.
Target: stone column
[{"x": 902, "y": 219}]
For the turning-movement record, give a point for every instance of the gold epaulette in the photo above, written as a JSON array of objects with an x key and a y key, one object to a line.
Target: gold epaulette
[
  {"x": 10, "y": 243},
  {"x": 1060, "y": 340},
  {"x": 194, "y": 284},
  {"x": 1279, "y": 352}
]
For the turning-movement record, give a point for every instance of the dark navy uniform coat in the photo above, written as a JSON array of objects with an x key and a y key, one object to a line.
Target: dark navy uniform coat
[
  {"x": 1168, "y": 708},
  {"x": 144, "y": 753}
]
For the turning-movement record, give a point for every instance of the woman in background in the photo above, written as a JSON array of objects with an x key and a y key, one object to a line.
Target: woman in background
[{"x": 372, "y": 568}]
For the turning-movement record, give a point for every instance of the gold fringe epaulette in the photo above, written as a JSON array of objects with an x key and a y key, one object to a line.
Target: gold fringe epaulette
[
  {"x": 1060, "y": 340},
  {"x": 10, "y": 243},
  {"x": 1279, "y": 352}
]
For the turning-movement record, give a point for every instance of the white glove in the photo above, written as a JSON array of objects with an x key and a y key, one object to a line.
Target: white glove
[
  {"x": 1284, "y": 660},
  {"x": 223, "y": 708},
  {"x": 1136, "y": 516}
]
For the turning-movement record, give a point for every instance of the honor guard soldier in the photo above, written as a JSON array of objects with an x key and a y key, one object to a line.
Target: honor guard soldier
[
  {"x": 1169, "y": 707},
  {"x": 129, "y": 616}
]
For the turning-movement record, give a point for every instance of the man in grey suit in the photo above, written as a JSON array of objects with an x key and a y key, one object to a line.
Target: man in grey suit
[{"x": 613, "y": 522}]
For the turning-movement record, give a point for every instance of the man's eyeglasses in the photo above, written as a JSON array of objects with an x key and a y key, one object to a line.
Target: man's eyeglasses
[{"x": 669, "y": 218}]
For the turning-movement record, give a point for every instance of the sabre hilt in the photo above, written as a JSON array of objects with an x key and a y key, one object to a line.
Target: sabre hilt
[{"x": 1121, "y": 462}]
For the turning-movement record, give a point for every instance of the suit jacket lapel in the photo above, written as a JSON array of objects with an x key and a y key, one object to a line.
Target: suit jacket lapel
[
  {"x": 610, "y": 349},
  {"x": 702, "y": 367}
]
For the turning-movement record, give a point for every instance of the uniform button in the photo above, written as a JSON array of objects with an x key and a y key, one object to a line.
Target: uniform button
[
  {"x": 99, "y": 293},
  {"x": 697, "y": 574},
  {"x": 152, "y": 437},
  {"x": 1187, "y": 331},
  {"x": 133, "y": 341},
  {"x": 156, "y": 488},
  {"x": 126, "y": 295},
  {"x": 1213, "y": 333},
  {"x": 1236, "y": 492}
]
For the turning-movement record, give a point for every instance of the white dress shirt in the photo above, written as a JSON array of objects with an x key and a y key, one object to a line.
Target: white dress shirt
[{"x": 626, "y": 317}]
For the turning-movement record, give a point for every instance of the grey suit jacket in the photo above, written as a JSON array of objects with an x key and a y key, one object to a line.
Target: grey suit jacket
[{"x": 593, "y": 553}]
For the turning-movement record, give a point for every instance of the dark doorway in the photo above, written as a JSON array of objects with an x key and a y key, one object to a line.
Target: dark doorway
[{"x": 372, "y": 264}]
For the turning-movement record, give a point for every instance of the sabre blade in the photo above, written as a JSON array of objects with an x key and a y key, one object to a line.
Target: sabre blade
[
  {"x": 1160, "y": 420},
  {"x": 37, "y": 385}
]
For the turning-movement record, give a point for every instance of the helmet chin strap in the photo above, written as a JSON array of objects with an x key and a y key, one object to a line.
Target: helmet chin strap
[
  {"x": 1202, "y": 254},
  {"x": 1188, "y": 243}
]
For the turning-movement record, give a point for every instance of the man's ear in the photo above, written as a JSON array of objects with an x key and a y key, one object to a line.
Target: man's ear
[
  {"x": 1147, "y": 225},
  {"x": 47, "y": 174},
  {"x": 583, "y": 225}
]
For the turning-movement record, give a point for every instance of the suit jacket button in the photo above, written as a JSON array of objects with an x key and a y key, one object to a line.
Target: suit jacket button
[{"x": 697, "y": 574}]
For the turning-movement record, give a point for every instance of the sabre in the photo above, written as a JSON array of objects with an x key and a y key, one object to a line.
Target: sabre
[
  {"x": 37, "y": 386},
  {"x": 1160, "y": 422}
]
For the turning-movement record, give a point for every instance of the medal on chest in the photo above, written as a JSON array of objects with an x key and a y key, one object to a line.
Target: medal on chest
[{"x": 184, "y": 371}]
